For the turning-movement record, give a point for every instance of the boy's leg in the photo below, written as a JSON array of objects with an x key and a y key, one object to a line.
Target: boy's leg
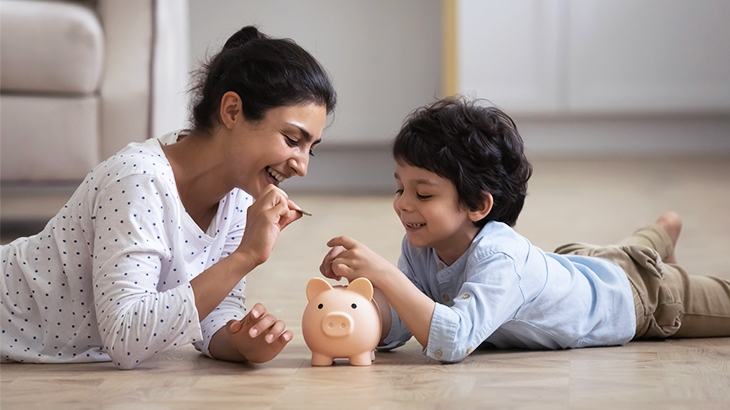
[
  {"x": 705, "y": 303},
  {"x": 661, "y": 236},
  {"x": 669, "y": 302},
  {"x": 705, "y": 300}
]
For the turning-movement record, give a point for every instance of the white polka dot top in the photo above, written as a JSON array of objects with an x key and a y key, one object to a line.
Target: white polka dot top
[{"x": 108, "y": 278}]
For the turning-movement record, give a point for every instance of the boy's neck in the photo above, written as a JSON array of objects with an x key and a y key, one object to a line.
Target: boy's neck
[{"x": 450, "y": 252}]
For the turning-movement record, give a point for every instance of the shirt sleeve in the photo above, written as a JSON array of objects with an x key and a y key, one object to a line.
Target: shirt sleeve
[
  {"x": 136, "y": 321},
  {"x": 490, "y": 296},
  {"x": 233, "y": 307}
]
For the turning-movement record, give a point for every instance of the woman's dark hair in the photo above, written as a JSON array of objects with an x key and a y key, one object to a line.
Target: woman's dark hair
[
  {"x": 477, "y": 148},
  {"x": 265, "y": 73}
]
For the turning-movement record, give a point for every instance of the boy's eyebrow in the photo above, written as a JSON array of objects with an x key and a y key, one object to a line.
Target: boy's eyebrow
[{"x": 418, "y": 181}]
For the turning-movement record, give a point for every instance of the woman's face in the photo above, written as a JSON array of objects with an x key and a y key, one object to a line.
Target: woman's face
[{"x": 277, "y": 147}]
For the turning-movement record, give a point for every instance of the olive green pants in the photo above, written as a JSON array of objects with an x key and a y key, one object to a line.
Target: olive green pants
[{"x": 668, "y": 301}]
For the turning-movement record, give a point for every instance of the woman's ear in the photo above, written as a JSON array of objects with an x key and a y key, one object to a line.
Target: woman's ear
[
  {"x": 231, "y": 109},
  {"x": 486, "y": 206}
]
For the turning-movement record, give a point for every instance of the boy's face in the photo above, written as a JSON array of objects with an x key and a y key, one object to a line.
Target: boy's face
[{"x": 428, "y": 206}]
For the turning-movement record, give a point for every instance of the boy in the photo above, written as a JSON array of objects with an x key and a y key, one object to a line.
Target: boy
[{"x": 466, "y": 278}]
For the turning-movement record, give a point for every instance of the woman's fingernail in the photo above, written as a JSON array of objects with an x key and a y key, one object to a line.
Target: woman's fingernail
[
  {"x": 253, "y": 332},
  {"x": 269, "y": 338}
]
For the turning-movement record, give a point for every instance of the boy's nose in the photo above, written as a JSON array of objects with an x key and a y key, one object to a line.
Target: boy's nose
[{"x": 400, "y": 203}]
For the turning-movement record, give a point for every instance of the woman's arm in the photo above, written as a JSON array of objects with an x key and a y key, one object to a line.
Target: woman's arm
[{"x": 253, "y": 337}]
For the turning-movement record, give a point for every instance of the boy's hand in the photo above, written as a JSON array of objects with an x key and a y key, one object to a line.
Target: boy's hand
[
  {"x": 326, "y": 266},
  {"x": 350, "y": 259},
  {"x": 259, "y": 336}
]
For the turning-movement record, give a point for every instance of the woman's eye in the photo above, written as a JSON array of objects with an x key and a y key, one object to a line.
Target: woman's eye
[
  {"x": 399, "y": 192},
  {"x": 423, "y": 196},
  {"x": 290, "y": 141},
  {"x": 311, "y": 152}
]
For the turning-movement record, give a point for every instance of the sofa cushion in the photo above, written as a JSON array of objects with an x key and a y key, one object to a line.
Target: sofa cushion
[
  {"x": 47, "y": 138},
  {"x": 50, "y": 47}
]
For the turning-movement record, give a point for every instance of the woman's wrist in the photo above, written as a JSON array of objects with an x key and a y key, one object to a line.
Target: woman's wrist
[{"x": 242, "y": 263}]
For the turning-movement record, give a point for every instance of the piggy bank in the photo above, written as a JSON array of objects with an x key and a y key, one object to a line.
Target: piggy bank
[{"x": 341, "y": 322}]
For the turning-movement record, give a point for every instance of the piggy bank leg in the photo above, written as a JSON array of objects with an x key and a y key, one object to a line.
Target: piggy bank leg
[
  {"x": 363, "y": 359},
  {"x": 318, "y": 359}
]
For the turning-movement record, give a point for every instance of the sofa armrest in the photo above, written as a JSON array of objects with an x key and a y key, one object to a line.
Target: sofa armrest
[
  {"x": 143, "y": 90},
  {"x": 126, "y": 86}
]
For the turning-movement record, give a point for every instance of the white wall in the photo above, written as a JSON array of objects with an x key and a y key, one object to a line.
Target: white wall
[
  {"x": 544, "y": 61},
  {"x": 384, "y": 56},
  {"x": 596, "y": 77}
]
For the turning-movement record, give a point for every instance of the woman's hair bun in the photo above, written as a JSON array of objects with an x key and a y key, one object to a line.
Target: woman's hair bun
[{"x": 243, "y": 36}]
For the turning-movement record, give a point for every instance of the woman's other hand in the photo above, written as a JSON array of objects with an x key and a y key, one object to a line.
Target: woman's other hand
[{"x": 259, "y": 336}]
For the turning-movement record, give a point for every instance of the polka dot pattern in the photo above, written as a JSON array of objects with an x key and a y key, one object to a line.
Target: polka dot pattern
[{"x": 108, "y": 278}]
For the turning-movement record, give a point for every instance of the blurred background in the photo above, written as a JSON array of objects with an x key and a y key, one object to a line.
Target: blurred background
[{"x": 585, "y": 80}]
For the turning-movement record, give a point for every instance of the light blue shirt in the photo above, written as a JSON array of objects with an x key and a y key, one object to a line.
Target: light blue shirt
[{"x": 511, "y": 294}]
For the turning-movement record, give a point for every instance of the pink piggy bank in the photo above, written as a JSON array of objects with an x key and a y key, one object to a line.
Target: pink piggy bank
[{"x": 341, "y": 322}]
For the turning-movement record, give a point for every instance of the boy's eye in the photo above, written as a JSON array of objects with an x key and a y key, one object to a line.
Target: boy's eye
[{"x": 423, "y": 196}]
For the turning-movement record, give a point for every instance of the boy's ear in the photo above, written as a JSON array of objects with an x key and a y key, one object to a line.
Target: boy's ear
[
  {"x": 486, "y": 206},
  {"x": 230, "y": 109}
]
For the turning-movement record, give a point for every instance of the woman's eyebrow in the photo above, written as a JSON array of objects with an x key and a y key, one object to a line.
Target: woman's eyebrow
[{"x": 305, "y": 134}]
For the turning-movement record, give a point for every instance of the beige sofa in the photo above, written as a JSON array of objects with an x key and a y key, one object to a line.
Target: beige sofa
[{"x": 78, "y": 81}]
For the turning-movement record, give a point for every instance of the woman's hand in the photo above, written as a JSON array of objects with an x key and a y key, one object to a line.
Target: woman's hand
[
  {"x": 265, "y": 219},
  {"x": 259, "y": 336}
]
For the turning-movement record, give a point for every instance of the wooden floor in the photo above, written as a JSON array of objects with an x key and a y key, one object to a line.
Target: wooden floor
[{"x": 590, "y": 201}]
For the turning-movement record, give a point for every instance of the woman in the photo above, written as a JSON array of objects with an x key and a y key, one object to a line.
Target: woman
[{"x": 152, "y": 250}]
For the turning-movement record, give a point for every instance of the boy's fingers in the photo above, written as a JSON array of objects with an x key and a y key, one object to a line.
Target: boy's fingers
[
  {"x": 343, "y": 241},
  {"x": 340, "y": 269}
]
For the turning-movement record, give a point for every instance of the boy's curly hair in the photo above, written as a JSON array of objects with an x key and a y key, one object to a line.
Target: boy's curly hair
[{"x": 476, "y": 147}]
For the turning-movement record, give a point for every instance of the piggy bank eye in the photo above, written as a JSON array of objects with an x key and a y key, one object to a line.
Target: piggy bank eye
[
  {"x": 354, "y": 306},
  {"x": 320, "y": 306}
]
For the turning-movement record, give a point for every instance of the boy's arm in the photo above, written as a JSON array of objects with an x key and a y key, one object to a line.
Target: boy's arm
[
  {"x": 414, "y": 308},
  {"x": 386, "y": 319}
]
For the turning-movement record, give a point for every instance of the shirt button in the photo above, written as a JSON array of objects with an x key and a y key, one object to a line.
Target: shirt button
[
  {"x": 468, "y": 351},
  {"x": 438, "y": 353},
  {"x": 465, "y": 296},
  {"x": 445, "y": 297}
]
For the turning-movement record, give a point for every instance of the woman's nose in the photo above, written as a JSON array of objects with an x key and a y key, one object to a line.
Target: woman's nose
[{"x": 299, "y": 164}]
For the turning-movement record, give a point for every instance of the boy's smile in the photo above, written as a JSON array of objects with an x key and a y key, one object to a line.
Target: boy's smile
[{"x": 429, "y": 209}]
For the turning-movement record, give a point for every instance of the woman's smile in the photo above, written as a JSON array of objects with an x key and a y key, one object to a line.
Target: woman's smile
[{"x": 276, "y": 176}]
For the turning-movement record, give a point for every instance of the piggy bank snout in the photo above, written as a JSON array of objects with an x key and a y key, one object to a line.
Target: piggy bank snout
[{"x": 338, "y": 324}]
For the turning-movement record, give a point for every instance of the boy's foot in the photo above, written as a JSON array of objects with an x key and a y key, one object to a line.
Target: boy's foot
[{"x": 672, "y": 225}]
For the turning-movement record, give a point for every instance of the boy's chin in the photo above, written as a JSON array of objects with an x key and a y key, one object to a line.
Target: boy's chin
[{"x": 416, "y": 243}]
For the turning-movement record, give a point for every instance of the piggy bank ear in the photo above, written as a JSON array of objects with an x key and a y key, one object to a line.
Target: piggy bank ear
[
  {"x": 316, "y": 286},
  {"x": 362, "y": 286}
]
